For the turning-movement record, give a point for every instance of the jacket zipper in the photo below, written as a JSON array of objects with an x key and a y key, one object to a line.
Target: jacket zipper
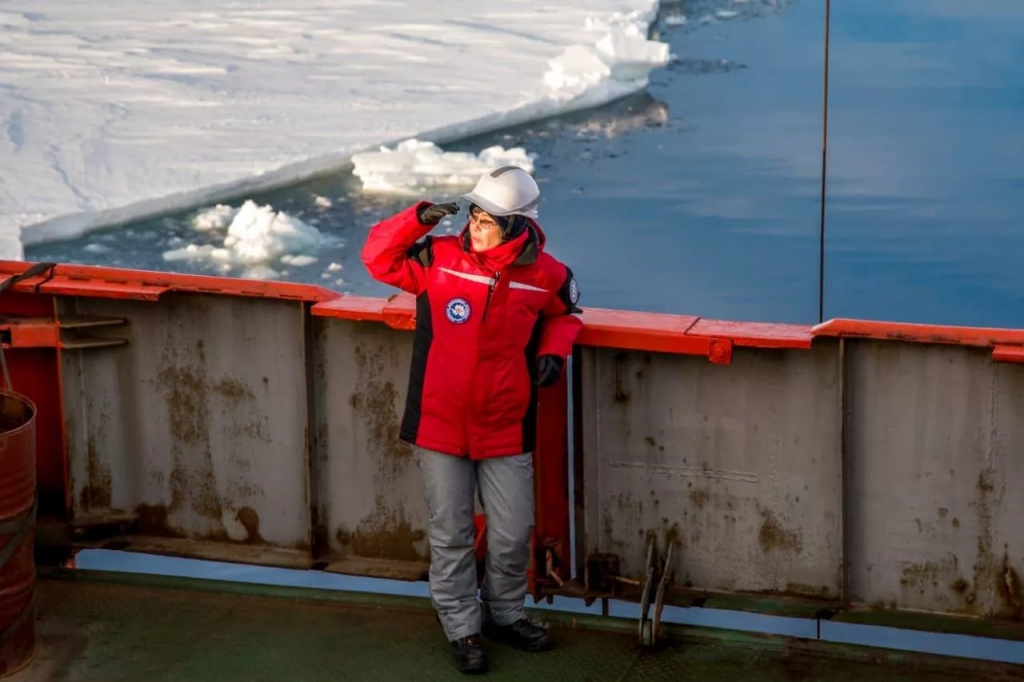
[
  {"x": 490, "y": 291},
  {"x": 483, "y": 318}
]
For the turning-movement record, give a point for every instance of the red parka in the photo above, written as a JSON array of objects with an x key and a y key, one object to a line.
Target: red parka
[{"x": 482, "y": 319}]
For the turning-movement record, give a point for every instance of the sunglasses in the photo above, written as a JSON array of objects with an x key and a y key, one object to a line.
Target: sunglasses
[{"x": 482, "y": 218}]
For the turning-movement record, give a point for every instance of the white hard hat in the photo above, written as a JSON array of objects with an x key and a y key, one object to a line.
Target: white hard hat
[{"x": 508, "y": 190}]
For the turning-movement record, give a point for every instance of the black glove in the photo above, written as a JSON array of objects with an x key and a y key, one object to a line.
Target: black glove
[
  {"x": 432, "y": 213},
  {"x": 549, "y": 367}
]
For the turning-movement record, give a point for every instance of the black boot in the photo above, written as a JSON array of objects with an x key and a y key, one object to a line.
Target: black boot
[
  {"x": 524, "y": 634},
  {"x": 469, "y": 654}
]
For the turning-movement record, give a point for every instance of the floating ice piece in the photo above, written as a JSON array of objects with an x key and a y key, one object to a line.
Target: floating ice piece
[
  {"x": 413, "y": 165},
  {"x": 218, "y": 217},
  {"x": 190, "y": 252},
  {"x": 256, "y": 235}
]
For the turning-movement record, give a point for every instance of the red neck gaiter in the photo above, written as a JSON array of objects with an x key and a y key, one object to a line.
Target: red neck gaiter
[{"x": 501, "y": 256}]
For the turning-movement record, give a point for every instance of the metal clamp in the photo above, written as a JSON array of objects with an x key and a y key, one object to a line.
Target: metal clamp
[
  {"x": 550, "y": 561},
  {"x": 650, "y": 628}
]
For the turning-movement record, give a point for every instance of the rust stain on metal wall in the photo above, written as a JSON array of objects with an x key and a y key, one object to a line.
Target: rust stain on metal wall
[
  {"x": 195, "y": 488},
  {"x": 234, "y": 390},
  {"x": 984, "y": 569},
  {"x": 930, "y": 575},
  {"x": 376, "y": 402},
  {"x": 96, "y": 494},
  {"x": 152, "y": 520},
  {"x": 97, "y": 489},
  {"x": 620, "y": 371},
  {"x": 993, "y": 573},
  {"x": 320, "y": 538},
  {"x": 699, "y": 497},
  {"x": 672, "y": 534},
  {"x": 993, "y": 587},
  {"x": 386, "y": 533},
  {"x": 805, "y": 590},
  {"x": 193, "y": 481},
  {"x": 237, "y": 395},
  {"x": 186, "y": 404},
  {"x": 236, "y": 490},
  {"x": 774, "y": 537},
  {"x": 1008, "y": 588},
  {"x": 624, "y": 503},
  {"x": 256, "y": 429},
  {"x": 250, "y": 520}
]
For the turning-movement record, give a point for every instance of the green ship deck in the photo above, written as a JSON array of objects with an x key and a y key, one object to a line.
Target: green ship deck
[{"x": 95, "y": 626}]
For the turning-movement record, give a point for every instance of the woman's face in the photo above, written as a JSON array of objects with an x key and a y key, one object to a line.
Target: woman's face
[{"x": 484, "y": 231}]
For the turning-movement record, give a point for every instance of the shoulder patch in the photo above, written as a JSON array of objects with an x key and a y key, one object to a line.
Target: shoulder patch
[{"x": 569, "y": 292}]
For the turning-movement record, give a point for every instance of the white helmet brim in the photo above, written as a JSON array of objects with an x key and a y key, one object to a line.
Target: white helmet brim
[{"x": 493, "y": 209}]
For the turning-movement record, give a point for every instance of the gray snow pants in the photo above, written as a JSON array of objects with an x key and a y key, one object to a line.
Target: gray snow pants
[{"x": 506, "y": 491}]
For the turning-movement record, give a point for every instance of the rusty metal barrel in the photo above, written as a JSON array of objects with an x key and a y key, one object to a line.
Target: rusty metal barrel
[{"x": 17, "y": 531}]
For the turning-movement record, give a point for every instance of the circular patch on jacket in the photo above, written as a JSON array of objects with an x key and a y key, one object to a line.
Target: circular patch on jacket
[
  {"x": 574, "y": 291},
  {"x": 457, "y": 310}
]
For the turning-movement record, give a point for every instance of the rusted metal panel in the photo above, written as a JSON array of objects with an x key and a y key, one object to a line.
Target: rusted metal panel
[
  {"x": 936, "y": 486},
  {"x": 197, "y": 425},
  {"x": 371, "y": 512},
  {"x": 17, "y": 531},
  {"x": 740, "y": 465}
]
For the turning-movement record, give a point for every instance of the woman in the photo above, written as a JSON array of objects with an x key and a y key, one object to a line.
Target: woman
[{"x": 495, "y": 318}]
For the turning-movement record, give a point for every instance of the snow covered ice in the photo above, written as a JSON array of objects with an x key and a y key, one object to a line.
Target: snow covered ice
[{"x": 115, "y": 111}]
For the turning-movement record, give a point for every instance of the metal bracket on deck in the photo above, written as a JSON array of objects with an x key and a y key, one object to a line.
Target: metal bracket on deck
[
  {"x": 650, "y": 628},
  {"x": 600, "y": 579},
  {"x": 551, "y": 563}
]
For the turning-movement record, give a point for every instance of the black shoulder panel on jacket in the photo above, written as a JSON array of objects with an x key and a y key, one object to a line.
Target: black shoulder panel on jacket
[{"x": 422, "y": 252}]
